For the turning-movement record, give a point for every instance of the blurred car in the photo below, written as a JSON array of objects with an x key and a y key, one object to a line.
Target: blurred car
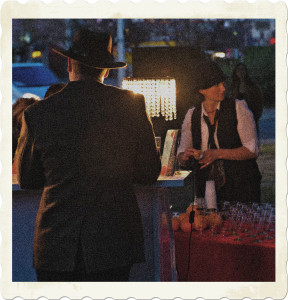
[
  {"x": 16, "y": 94},
  {"x": 31, "y": 80}
]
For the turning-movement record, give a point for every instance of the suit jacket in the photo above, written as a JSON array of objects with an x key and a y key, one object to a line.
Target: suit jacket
[{"x": 86, "y": 146}]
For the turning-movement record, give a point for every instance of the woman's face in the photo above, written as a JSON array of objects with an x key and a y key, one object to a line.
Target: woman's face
[{"x": 215, "y": 92}]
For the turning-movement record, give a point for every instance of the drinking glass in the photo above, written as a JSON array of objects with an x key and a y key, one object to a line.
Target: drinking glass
[
  {"x": 261, "y": 211},
  {"x": 234, "y": 219},
  {"x": 271, "y": 227},
  {"x": 226, "y": 230},
  {"x": 267, "y": 205},
  {"x": 272, "y": 211},
  {"x": 258, "y": 223},
  {"x": 261, "y": 226},
  {"x": 158, "y": 143},
  {"x": 175, "y": 214},
  {"x": 240, "y": 223},
  {"x": 254, "y": 206},
  {"x": 254, "y": 225}
]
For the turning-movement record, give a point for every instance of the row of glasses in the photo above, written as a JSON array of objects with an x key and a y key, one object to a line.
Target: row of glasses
[
  {"x": 246, "y": 220},
  {"x": 242, "y": 221},
  {"x": 266, "y": 221}
]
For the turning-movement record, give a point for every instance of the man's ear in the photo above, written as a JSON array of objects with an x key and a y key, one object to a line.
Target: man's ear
[
  {"x": 107, "y": 73},
  {"x": 69, "y": 65}
]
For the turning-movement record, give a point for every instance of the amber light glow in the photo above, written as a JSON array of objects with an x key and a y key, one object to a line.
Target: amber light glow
[
  {"x": 160, "y": 95},
  {"x": 36, "y": 54}
]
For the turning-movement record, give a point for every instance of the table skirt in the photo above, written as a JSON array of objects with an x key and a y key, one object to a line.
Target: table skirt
[{"x": 221, "y": 259}]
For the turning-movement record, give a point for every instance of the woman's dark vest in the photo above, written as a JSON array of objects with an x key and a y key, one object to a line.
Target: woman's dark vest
[{"x": 242, "y": 178}]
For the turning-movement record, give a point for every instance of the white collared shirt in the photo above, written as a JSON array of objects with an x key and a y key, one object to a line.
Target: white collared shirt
[{"x": 246, "y": 128}]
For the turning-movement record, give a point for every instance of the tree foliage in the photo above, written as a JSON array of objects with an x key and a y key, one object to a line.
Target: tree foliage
[{"x": 260, "y": 62}]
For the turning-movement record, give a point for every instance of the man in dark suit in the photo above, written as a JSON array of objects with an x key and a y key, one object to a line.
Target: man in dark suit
[{"x": 86, "y": 146}]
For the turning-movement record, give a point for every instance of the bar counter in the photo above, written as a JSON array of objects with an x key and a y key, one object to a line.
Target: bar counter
[{"x": 154, "y": 205}]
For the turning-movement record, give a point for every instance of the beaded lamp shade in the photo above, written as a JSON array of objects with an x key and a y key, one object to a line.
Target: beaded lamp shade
[{"x": 160, "y": 95}]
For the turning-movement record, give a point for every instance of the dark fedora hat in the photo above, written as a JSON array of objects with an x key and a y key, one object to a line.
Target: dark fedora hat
[
  {"x": 207, "y": 74},
  {"x": 92, "y": 49}
]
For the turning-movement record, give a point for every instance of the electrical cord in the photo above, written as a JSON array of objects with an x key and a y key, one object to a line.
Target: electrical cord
[
  {"x": 192, "y": 214},
  {"x": 191, "y": 220}
]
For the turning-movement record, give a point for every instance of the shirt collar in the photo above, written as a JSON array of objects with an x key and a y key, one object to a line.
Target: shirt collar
[{"x": 204, "y": 111}]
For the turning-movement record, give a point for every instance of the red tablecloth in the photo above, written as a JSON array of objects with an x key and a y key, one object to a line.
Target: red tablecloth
[{"x": 224, "y": 259}]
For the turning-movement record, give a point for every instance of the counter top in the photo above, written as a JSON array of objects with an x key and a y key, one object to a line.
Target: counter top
[{"x": 180, "y": 178}]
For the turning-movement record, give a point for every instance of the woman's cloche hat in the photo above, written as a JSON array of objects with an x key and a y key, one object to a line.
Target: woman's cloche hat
[
  {"x": 207, "y": 74},
  {"x": 92, "y": 49}
]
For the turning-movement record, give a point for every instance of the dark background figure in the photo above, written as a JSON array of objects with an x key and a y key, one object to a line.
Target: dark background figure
[
  {"x": 17, "y": 113},
  {"x": 243, "y": 88},
  {"x": 18, "y": 109},
  {"x": 86, "y": 147},
  {"x": 54, "y": 88}
]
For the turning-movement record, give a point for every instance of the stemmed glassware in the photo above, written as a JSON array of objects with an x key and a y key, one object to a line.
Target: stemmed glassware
[
  {"x": 242, "y": 221},
  {"x": 270, "y": 226}
]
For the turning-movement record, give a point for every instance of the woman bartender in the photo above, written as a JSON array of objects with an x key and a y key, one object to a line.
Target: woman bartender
[{"x": 221, "y": 134}]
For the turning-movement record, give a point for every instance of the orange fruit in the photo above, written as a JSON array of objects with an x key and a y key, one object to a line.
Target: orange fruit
[
  {"x": 214, "y": 219},
  {"x": 175, "y": 224},
  {"x": 189, "y": 208},
  {"x": 199, "y": 221},
  {"x": 185, "y": 225},
  {"x": 183, "y": 216}
]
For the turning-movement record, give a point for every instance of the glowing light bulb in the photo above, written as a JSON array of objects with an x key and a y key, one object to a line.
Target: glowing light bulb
[{"x": 160, "y": 95}]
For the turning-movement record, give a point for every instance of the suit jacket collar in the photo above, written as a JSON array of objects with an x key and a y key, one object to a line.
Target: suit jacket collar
[{"x": 85, "y": 82}]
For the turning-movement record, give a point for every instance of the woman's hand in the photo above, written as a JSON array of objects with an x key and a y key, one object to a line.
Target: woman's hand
[
  {"x": 209, "y": 156},
  {"x": 189, "y": 152}
]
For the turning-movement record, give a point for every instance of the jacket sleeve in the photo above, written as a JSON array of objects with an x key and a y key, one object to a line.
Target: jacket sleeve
[
  {"x": 30, "y": 170},
  {"x": 148, "y": 164}
]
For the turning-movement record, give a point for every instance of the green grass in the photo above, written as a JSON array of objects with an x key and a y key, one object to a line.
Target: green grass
[
  {"x": 180, "y": 198},
  {"x": 266, "y": 163},
  {"x": 267, "y": 149}
]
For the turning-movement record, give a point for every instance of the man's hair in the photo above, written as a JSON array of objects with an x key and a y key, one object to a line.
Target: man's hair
[
  {"x": 85, "y": 70},
  {"x": 17, "y": 113}
]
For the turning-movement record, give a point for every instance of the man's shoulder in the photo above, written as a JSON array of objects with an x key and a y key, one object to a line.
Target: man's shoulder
[
  {"x": 125, "y": 98},
  {"x": 35, "y": 107},
  {"x": 38, "y": 109},
  {"x": 123, "y": 92}
]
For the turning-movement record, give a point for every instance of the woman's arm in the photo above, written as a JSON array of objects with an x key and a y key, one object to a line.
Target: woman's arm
[
  {"x": 241, "y": 153},
  {"x": 247, "y": 132}
]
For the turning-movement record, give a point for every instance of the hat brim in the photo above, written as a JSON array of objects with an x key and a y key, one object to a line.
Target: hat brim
[
  {"x": 200, "y": 85},
  {"x": 94, "y": 62}
]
